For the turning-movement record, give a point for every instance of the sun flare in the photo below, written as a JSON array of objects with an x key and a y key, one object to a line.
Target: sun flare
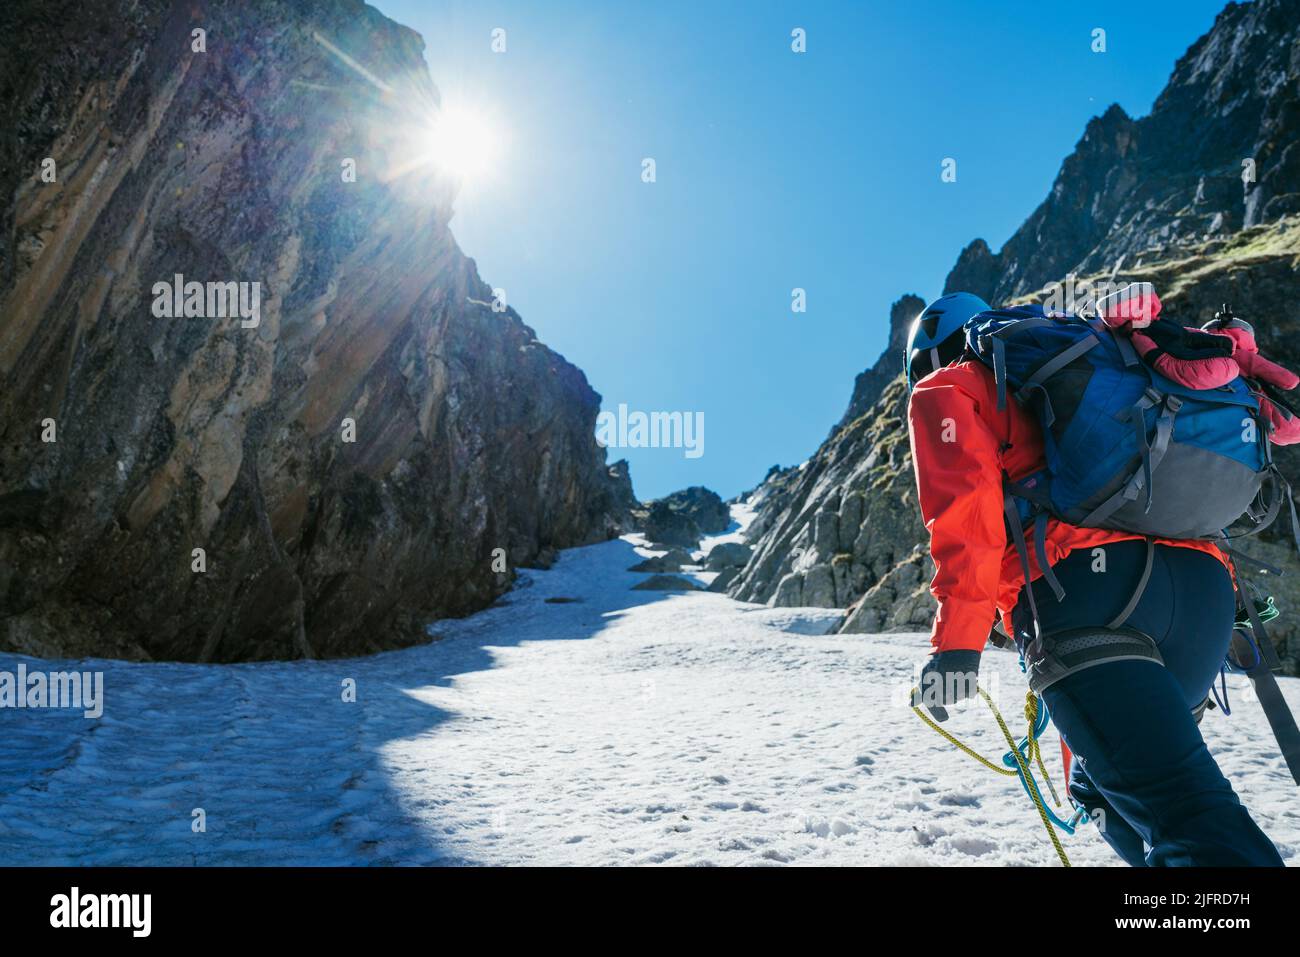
[{"x": 461, "y": 142}]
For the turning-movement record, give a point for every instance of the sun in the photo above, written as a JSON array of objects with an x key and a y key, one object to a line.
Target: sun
[
  {"x": 461, "y": 142},
  {"x": 458, "y": 139}
]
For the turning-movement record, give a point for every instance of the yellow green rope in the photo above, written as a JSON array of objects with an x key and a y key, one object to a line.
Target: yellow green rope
[
  {"x": 1035, "y": 749},
  {"x": 1031, "y": 713}
]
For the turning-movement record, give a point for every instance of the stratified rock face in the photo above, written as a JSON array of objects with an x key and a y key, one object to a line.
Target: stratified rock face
[
  {"x": 349, "y": 464},
  {"x": 1165, "y": 193},
  {"x": 1219, "y": 151}
]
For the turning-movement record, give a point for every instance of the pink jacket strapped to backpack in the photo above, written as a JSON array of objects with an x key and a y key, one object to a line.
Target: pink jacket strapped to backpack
[{"x": 1130, "y": 311}]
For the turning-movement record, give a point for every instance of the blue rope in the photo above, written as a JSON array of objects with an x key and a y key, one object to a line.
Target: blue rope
[
  {"x": 1028, "y": 782},
  {"x": 1222, "y": 703},
  {"x": 1238, "y": 668}
]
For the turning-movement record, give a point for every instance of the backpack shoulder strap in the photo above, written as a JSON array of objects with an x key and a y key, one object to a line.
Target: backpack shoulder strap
[{"x": 1049, "y": 369}]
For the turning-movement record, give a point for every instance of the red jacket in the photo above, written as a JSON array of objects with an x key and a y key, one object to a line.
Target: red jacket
[{"x": 960, "y": 445}]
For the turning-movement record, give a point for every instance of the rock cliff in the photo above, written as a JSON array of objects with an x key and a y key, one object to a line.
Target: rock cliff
[{"x": 375, "y": 443}]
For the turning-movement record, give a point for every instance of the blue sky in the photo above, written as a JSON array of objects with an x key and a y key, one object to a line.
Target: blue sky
[{"x": 774, "y": 170}]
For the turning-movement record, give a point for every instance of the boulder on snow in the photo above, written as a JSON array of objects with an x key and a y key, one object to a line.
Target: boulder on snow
[
  {"x": 672, "y": 562},
  {"x": 728, "y": 555},
  {"x": 665, "y": 583}
]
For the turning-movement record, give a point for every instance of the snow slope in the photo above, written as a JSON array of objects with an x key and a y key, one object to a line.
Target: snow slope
[{"x": 619, "y": 728}]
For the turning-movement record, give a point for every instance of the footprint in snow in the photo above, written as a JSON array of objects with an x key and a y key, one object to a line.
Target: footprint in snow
[
  {"x": 974, "y": 846},
  {"x": 658, "y": 858}
]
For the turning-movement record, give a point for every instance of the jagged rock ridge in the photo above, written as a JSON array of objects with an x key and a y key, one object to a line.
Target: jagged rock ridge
[{"x": 1218, "y": 153}]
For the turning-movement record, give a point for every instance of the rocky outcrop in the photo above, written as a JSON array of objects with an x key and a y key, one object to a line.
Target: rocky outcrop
[
  {"x": 377, "y": 447},
  {"x": 665, "y": 525},
  {"x": 703, "y": 506},
  {"x": 685, "y": 516},
  {"x": 1159, "y": 199},
  {"x": 769, "y": 498},
  {"x": 901, "y": 601},
  {"x": 625, "y": 508}
]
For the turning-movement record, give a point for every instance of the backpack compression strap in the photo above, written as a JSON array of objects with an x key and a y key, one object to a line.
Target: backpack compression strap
[
  {"x": 1152, "y": 454},
  {"x": 1123, "y": 343}
]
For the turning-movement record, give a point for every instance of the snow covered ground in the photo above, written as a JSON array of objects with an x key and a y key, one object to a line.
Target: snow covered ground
[{"x": 618, "y": 727}]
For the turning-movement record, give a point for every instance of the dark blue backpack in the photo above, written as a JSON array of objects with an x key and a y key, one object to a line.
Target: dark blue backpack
[{"x": 1126, "y": 448}]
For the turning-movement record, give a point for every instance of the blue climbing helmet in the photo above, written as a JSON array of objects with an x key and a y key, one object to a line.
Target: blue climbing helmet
[{"x": 936, "y": 337}]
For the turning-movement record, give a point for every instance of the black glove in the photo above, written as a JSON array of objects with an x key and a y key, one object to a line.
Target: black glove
[
  {"x": 1184, "y": 343},
  {"x": 948, "y": 677}
]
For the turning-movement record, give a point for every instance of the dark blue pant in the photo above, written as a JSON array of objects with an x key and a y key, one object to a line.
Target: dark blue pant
[{"x": 1141, "y": 767}]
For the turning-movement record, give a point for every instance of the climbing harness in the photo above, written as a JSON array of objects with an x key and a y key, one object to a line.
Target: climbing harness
[
  {"x": 1016, "y": 762},
  {"x": 1063, "y": 653}
]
